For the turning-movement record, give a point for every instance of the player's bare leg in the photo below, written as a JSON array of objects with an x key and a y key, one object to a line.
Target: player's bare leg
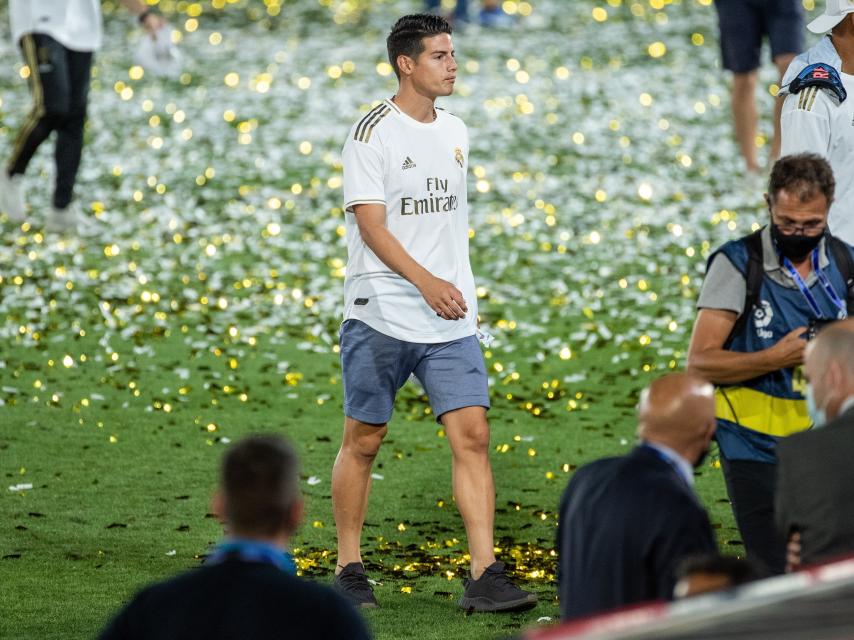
[
  {"x": 745, "y": 117},
  {"x": 474, "y": 488},
  {"x": 351, "y": 485},
  {"x": 489, "y": 588}
]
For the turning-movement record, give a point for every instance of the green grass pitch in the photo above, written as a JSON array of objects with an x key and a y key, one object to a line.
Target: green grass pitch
[{"x": 205, "y": 306}]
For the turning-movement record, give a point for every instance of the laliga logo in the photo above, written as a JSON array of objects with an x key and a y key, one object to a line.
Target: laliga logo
[{"x": 762, "y": 317}]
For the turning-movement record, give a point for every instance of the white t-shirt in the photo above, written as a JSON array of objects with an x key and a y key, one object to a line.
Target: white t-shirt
[
  {"x": 813, "y": 121},
  {"x": 418, "y": 171},
  {"x": 75, "y": 24}
]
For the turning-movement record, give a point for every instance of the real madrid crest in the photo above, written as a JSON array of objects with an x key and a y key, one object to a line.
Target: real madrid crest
[{"x": 458, "y": 156}]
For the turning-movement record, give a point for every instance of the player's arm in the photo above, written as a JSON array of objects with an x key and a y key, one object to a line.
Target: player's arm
[
  {"x": 804, "y": 122},
  {"x": 442, "y": 296},
  {"x": 151, "y": 22},
  {"x": 708, "y": 359}
]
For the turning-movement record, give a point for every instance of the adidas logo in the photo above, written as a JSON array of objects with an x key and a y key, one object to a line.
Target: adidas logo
[{"x": 408, "y": 164}]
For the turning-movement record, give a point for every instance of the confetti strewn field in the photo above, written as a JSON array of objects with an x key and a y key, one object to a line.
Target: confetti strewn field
[{"x": 206, "y": 302}]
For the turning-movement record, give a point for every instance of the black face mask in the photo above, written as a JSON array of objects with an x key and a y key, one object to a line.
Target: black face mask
[{"x": 796, "y": 246}]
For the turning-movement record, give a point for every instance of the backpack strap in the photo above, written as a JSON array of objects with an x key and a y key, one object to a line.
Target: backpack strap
[
  {"x": 845, "y": 263},
  {"x": 753, "y": 280}
]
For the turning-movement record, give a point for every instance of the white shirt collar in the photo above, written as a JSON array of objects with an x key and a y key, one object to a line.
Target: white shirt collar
[
  {"x": 823, "y": 51},
  {"x": 685, "y": 468}
]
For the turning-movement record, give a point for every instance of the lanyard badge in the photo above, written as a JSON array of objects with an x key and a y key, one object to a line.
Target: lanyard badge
[{"x": 823, "y": 280}]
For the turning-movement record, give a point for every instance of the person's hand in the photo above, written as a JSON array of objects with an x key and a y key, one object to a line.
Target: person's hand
[
  {"x": 793, "y": 552},
  {"x": 444, "y": 298},
  {"x": 152, "y": 23},
  {"x": 789, "y": 351}
]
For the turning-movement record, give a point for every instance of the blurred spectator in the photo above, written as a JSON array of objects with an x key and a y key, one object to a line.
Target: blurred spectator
[
  {"x": 816, "y": 114},
  {"x": 815, "y": 486},
  {"x": 459, "y": 15},
  {"x": 761, "y": 296},
  {"x": 57, "y": 40},
  {"x": 743, "y": 24},
  {"x": 625, "y": 523},
  {"x": 707, "y": 574},
  {"x": 247, "y": 587},
  {"x": 491, "y": 13}
]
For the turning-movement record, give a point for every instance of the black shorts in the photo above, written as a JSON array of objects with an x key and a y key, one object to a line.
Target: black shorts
[{"x": 743, "y": 24}]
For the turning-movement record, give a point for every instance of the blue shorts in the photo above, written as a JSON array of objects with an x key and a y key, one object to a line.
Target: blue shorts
[
  {"x": 375, "y": 366},
  {"x": 743, "y": 24}
]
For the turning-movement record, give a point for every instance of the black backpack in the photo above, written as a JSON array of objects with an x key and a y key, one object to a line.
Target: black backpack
[{"x": 837, "y": 249}]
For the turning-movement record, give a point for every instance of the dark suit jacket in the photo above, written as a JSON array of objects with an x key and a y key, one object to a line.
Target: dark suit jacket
[
  {"x": 625, "y": 524},
  {"x": 815, "y": 488},
  {"x": 237, "y": 600}
]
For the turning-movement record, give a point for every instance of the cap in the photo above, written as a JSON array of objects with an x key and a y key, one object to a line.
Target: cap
[{"x": 834, "y": 11}]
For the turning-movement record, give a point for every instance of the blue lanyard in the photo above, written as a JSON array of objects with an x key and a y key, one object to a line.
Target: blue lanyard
[
  {"x": 805, "y": 291},
  {"x": 828, "y": 286},
  {"x": 251, "y": 551}
]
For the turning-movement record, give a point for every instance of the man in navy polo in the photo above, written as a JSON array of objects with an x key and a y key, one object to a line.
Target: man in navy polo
[{"x": 247, "y": 587}]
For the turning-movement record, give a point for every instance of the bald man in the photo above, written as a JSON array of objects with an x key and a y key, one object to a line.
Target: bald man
[
  {"x": 815, "y": 482},
  {"x": 626, "y": 523}
]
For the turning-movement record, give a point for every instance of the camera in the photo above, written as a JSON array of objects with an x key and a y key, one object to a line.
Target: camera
[{"x": 815, "y": 326}]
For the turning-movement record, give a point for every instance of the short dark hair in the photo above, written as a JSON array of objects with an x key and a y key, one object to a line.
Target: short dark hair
[
  {"x": 407, "y": 36},
  {"x": 804, "y": 174},
  {"x": 737, "y": 570},
  {"x": 260, "y": 483}
]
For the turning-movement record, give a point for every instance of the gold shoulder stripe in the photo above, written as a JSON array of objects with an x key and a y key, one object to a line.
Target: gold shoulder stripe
[
  {"x": 392, "y": 104},
  {"x": 806, "y": 99},
  {"x": 37, "y": 113},
  {"x": 804, "y": 94},
  {"x": 812, "y": 99},
  {"x": 366, "y": 134},
  {"x": 363, "y": 122}
]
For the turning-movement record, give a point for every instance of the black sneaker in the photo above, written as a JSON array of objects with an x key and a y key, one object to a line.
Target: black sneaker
[
  {"x": 353, "y": 584},
  {"x": 494, "y": 591}
]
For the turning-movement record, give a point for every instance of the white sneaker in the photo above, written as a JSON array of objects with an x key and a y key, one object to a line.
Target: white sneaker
[
  {"x": 12, "y": 197},
  {"x": 71, "y": 219},
  {"x": 62, "y": 220}
]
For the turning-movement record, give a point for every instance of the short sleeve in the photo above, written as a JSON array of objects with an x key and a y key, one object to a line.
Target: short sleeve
[
  {"x": 363, "y": 172},
  {"x": 804, "y": 122},
  {"x": 724, "y": 287}
]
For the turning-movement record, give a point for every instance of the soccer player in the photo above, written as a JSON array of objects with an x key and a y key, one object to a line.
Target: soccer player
[
  {"x": 57, "y": 40},
  {"x": 743, "y": 25},
  {"x": 410, "y": 305},
  {"x": 818, "y": 114}
]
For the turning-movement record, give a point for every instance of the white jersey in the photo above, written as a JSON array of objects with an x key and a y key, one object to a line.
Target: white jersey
[
  {"x": 814, "y": 120},
  {"x": 418, "y": 172},
  {"x": 75, "y": 24}
]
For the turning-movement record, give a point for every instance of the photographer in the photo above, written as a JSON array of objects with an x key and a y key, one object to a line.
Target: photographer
[{"x": 763, "y": 295}]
